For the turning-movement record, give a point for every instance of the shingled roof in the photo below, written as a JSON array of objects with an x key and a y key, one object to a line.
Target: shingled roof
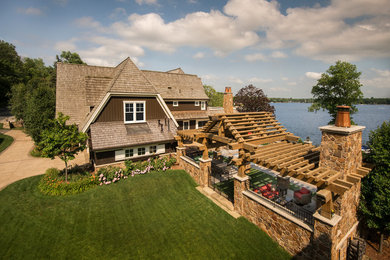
[
  {"x": 81, "y": 88},
  {"x": 176, "y": 85}
]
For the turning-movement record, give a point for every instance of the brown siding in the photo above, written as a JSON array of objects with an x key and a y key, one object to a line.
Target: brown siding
[
  {"x": 104, "y": 157},
  {"x": 184, "y": 106},
  {"x": 113, "y": 111}
]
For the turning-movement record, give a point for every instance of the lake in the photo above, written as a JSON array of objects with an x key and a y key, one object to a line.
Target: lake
[{"x": 297, "y": 120}]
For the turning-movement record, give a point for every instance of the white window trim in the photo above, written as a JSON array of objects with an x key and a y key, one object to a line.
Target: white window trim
[
  {"x": 188, "y": 121},
  {"x": 196, "y": 103},
  {"x": 129, "y": 156},
  {"x": 203, "y": 105},
  {"x": 134, "y": 112},
  {"x": 120, "y": 154},
  {"x": 197, "y": 121},
  {"x": 175, "y": 103}
]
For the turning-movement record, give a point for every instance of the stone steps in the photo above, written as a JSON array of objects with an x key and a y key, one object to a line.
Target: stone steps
[{"x": 219, "y": 200}]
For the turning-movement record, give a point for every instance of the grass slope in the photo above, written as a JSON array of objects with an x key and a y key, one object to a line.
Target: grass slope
[
  {"x": 158, "y": 215},
  {"x": 5, "y": 141}
]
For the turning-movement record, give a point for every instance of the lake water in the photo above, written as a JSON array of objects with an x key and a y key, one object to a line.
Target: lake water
[{"x": 297, "y": 120}]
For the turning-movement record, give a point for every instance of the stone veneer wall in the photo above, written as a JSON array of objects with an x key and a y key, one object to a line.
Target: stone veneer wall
[
  {"x": 191, "y": 169},
  {"x": 341, "y": 152},
  {"x": 289, "y": 235}
]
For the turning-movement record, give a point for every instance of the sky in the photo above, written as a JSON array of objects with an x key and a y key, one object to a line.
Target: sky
[{"x": 279, "y": 46}]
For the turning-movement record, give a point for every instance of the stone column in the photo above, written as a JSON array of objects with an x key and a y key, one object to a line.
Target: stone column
[
  {"x": 241, "y": 184},
  {"x": 205, "y": 171},
  {"x": 180, "y": 151},
  {"x": 341, "y": 148}
]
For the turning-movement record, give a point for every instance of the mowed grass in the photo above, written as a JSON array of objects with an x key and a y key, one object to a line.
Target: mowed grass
[
  {"x": 158, "y": 215},
  {"x": 5, "y": 141}
]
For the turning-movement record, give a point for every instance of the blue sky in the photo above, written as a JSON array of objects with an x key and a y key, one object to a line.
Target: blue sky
[{"x": 280, "y": 46}]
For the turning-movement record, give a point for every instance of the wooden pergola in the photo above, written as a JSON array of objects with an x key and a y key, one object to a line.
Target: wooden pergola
[{"x": 261, "y": 139}]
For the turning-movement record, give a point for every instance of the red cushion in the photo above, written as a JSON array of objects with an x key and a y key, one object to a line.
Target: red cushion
[
  {"x": 269, "y": 186},
  {"x": 263, "y": 188},
  {"x": 304, "y": 190},
  {"x": 298, "y": 195}
]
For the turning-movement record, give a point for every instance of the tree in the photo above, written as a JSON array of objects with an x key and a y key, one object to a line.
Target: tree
[
  {"x": 340, "y": 85},
  {"x": 216, "y": 98},
  {"x": 62, "y": 140},
  {"x": 10, "y": 70},
  {"x": 69, "y": 57},
  {"x": 375, "y": 197},
  {"x": 252, "y": 99},
  {"x": 40, "y": 109}
]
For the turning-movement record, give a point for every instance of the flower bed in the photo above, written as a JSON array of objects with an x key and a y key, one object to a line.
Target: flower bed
[
  {"x": 109, "y": 175},
  {"x": 53, "y": 182}
]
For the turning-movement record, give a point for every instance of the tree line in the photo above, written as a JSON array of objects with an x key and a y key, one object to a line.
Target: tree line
[
  {"x": 28, "y": 87},
  {"x": 363, "y": 101}
]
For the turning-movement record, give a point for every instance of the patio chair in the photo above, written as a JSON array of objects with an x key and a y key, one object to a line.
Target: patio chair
[
  {"x": 282, "y": 184},
  {"x": 303, "y": 196}
]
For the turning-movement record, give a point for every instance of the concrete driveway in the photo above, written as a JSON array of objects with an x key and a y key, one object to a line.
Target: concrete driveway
[{"x": 16, "y": 163}]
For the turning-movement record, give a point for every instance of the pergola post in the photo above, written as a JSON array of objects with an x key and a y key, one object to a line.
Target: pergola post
[{"x": 241, "y": 181}]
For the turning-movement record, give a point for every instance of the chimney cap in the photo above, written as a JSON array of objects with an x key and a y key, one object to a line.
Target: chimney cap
[
  {"x": 343, "y": 107},
  {"x": 343, "y": 117},
  {"x": 228, "y": 90}
]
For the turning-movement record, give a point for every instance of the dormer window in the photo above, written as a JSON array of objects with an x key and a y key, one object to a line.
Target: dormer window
[
  {"x": 134, "y": 111},
  {"x": 196, "y": 103},
  {"x": 175, "y": 103}
]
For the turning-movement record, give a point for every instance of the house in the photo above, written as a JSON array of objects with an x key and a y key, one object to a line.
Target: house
[{"x": 130, "y": 113}]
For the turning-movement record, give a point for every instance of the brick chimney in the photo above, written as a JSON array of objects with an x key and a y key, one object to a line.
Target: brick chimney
[
  {"x": 341, "y": 144},
  {"x": 228, "y": 100}
]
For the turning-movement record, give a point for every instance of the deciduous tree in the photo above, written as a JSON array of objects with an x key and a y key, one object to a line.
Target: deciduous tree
[
  {"x": 70, "y": 57},
  {"x": 340, "y": 85},
  {"x": 252, "y": 99},
  {"x": 62, "y": 140},
  {"x": 10, "y": 70},
  {"x": 375, "y": 197},
  {"x": 216, "y": 98}
]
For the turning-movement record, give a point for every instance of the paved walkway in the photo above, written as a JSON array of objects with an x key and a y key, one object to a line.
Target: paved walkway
[{"x": 16, "y": 163}]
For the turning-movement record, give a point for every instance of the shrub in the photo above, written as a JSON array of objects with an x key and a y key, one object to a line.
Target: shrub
[
  {"x": 108, "y": 175},
  {"x": 53, "y": 182}
]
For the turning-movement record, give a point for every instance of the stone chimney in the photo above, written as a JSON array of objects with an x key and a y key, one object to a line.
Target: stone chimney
[
  {"x": 228, "y": 100},
  {"x": 341, "y": 144}
]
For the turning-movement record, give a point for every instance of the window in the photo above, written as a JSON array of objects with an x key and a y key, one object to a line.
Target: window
[
  {"x": 129, "y": 153},
  {"x": 203, "y": 105},
  {"x": 201, "y": 123},
  {"x": 152, "y": 149},
  {"x": 134, "y": 111},
  {"x": 175, "y": 103},
  {"x": 186, "y": 125},
  {"x": 196, "y": 103},
  {"x": 141, "y": 151}
]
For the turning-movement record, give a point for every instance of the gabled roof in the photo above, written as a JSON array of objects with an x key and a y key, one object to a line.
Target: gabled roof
[
  {"x": 177, "y": 85},
  {"x": 81, "y": 88}
]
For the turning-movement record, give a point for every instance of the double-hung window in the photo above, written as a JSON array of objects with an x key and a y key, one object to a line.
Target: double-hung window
[
  {"x": 134, "y": 111},
  {"x": 203, "y": 105},
  {"x": 153, "y": 149},
  {"x": 141, "y": 151},
  {"x": 129, "y": 153}
]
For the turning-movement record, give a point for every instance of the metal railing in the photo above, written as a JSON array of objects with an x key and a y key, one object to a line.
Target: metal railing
[{"x": 290, "y": 208}]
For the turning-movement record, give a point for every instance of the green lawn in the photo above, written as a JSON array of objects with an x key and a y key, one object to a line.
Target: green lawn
[
  {"x": 158, "y": 215},
  {"x": 5, "y": 141}
]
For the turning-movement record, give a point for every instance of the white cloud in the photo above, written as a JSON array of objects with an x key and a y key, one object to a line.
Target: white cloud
[
  {"x": 313, "y": 75},
  {"x": 292, "y": 83},
  {"x": 148, "y": 2},
  {"x": 118, "y": 13},
  {"x": 66, "y": 45},
  {"x": 259, "y": 80},
  {"x": 280, "y": 89},
  {"x": 284, "y": 78},
  {"x": 278, "y": 55},
  {"x": 343, "y": 30},
  {"x": 87, "y": 22},
  {"x": 30, "y": 11},
  {"x": 235, "y": 80},
  {"x": 192, "y": 1},
  {"x": 380, "y": 80},
  {"x": 255, "y": 57},
  {"x": 198, "y": 55}
]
